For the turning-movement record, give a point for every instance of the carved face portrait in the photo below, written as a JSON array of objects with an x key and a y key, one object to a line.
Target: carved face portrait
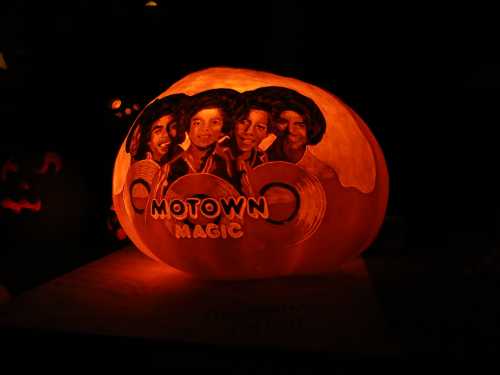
[
  {"x": 205, "y": 127},
  {"x": 163, "y": 135},
  {"x": 156, "y": 134},
  {"x": 293, "y": 128},
  {"x": 251, "y": 130}
]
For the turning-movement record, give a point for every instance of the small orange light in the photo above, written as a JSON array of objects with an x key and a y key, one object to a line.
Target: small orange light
[
  {"x": 128, "y": 111},
  {"x": 151, "y": 4},
  {"x": 117, "y": 103},
  {"x": 136, "y": 107}
]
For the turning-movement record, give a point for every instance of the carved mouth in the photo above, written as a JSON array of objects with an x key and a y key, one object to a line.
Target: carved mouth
[
  {"x": 164, "y": 144},
  {"x": 23, "y": 204},
  {"x": 247, "y": 141}
]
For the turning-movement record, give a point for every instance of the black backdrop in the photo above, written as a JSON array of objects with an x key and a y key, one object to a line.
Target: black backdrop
[{"x": 426, "y": 81}]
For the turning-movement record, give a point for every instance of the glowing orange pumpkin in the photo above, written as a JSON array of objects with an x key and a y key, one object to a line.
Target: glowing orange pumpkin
[{"x": 286, "y": 212}]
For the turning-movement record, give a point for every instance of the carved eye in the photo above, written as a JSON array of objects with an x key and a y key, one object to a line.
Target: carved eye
[
  {"x": 9, "y": 167},
  {"x": 50, "y": 159}
]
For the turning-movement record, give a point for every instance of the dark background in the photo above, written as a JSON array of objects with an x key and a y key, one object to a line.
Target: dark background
[{"x": 425, "y": 79}]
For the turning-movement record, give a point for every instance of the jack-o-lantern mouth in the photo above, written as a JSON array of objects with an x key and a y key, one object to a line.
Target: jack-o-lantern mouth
[{"x": 22, "y": 204}]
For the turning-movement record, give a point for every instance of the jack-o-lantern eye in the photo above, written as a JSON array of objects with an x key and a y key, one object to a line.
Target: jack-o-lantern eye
[
  {"x": 13, "y": 179},
  {"x": 7, "y": 168},
  {"x": 50, "y": 159}
]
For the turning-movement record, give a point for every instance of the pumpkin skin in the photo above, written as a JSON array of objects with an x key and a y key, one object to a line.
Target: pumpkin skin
[{"x": 354, "y": 192}]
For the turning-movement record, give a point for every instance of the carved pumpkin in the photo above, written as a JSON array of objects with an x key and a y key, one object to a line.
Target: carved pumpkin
[
  {"x": 250, "y": 175},
  {"x": 44, "y": 217},
  {"x": 21, "y": 182}
]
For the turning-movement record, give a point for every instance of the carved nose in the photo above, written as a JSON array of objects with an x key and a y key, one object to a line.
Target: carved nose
[{"x": 24, "y": 186}]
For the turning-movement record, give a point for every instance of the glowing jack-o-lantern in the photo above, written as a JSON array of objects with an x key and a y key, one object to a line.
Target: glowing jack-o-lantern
[
  {"x": 21, "y": 192},
  {"x": 236, "y": 174}
]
